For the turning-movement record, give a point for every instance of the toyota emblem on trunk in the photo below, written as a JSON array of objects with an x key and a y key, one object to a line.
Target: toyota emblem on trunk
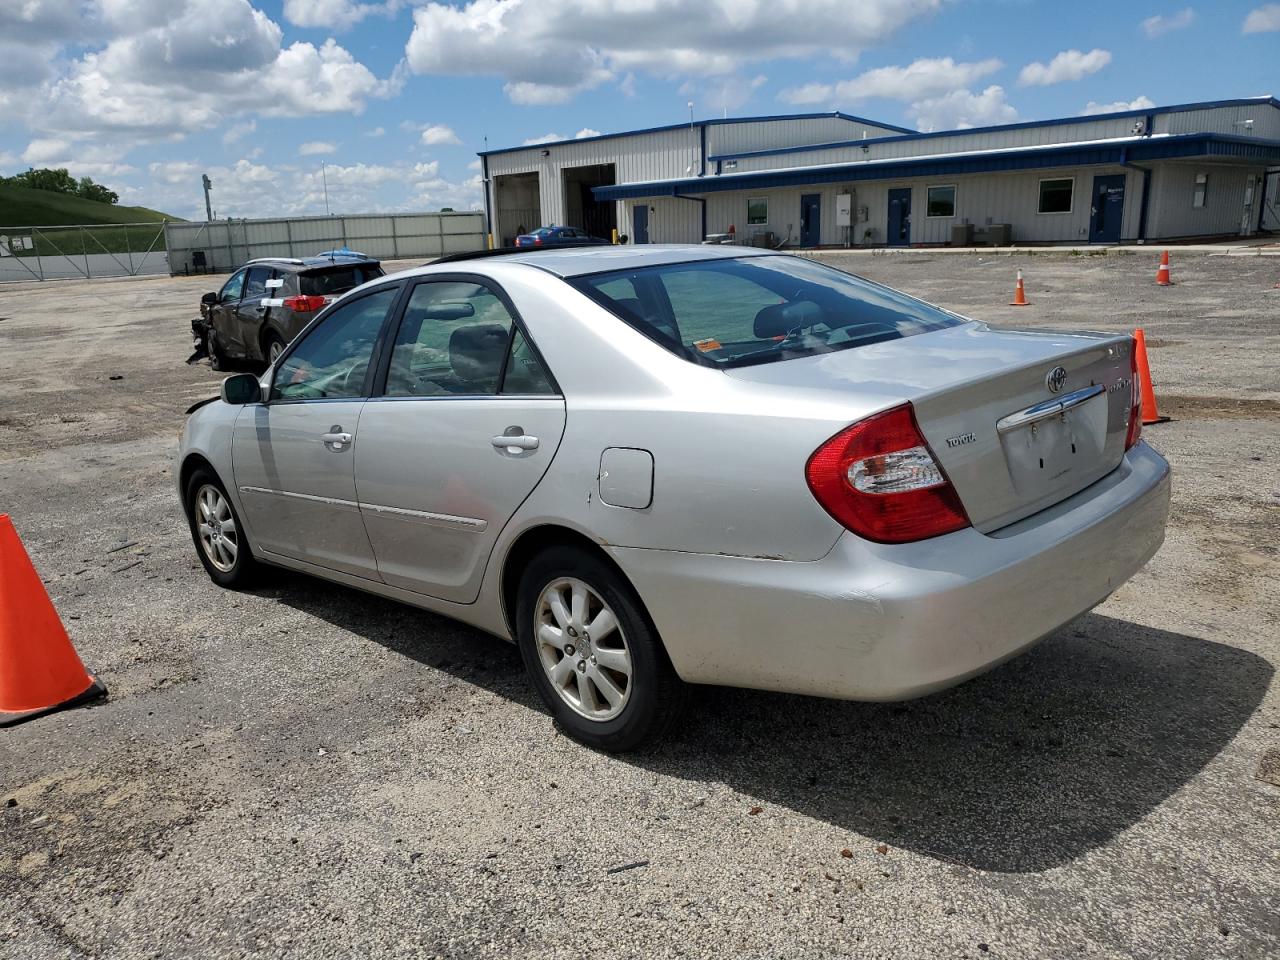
[{"x": 1055, "y": 379}]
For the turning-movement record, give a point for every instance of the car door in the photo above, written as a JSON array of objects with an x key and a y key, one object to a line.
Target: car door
[
  {"x": 251, "y": 312},
  {"x": 465, "y": 427},
  {"x": 223, "y": 317},
  {"x": 293, "y": 456}
]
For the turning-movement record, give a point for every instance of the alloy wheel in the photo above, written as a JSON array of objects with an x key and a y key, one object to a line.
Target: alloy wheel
[
  {"x": 582, "y": 648},
  {"x": 219, "y": 537}
]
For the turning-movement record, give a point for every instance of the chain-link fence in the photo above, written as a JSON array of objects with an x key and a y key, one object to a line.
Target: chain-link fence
[{"x": 82, "y": 251}]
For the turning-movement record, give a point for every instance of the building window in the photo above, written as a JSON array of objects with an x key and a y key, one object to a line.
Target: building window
[
  {"x": 757, "y": 210},
  {"x": 942, "y": 202},
  {"x": 1055, "y": 195},
  {"x": 1200, "y": 189}
]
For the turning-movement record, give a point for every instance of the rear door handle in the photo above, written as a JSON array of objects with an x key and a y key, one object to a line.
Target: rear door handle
[{"x": 516, "y": 444}]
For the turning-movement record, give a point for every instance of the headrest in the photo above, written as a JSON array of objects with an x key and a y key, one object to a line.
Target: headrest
[
  {"x": 781, "y": 318},
  {"x": 476, "y": 352}
]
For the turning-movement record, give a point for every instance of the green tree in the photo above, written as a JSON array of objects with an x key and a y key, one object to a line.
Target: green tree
[
  {"x": 57, "y": 181},
  {"x": 96, "y": 191}
]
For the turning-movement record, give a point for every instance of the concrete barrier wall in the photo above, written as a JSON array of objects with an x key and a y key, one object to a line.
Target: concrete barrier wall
[{"x": 228, "y": 243}]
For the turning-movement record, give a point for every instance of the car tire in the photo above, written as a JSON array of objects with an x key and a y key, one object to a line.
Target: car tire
[
  {"x": 272, "y": 344},
  {"x": 217, "y": 359},
  {"x": 615, "y": 691},
  {"x": 224, "y": 551}
]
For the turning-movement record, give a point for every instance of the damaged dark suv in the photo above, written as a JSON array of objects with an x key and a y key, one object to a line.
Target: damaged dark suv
[{"x": 267, "y": 302}]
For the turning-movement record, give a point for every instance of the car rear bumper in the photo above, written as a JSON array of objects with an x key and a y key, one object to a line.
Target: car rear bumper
[{"x": 886, "y": 622}]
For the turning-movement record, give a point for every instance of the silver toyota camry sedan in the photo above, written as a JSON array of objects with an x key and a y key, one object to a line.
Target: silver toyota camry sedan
[{"x": 658, "y": 466}]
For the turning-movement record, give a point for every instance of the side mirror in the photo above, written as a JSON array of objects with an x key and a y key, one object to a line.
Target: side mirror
[
  {"x": 209, "y": 299},
  {"x": 241, "y": 389}
]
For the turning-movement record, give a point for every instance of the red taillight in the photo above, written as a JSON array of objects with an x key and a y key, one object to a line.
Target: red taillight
[
  {"x": 537, "y": 241},
  {"x": 304, "y": 304},
  {"x": 880, "y": 479},
  {"x": 1135, "y": 398}
]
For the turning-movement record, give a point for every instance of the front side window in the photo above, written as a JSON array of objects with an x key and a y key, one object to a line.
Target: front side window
[
  {"x": 231, "y": 289},
  {"x": 1200, "y": 190},
  {"x": 1055, "y": 195},
  {"x": 941, "y": 202},
  {"x": 332, "y": 360},
  {"x": 751, "y": 310},
  {"x": 454, "y": 340},
  {"x": 757, "y": 210}
]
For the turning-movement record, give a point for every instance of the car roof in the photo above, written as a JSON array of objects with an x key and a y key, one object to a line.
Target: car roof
[
  {"x": 599, "y": 258},
  {"x": 308, "y": 263}
]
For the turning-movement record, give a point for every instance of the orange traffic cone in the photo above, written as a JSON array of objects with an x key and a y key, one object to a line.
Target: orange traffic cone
[
  {"x": 1019, "y": 294},
  {"x": 39, "y": 669},
  {"x": 1149, "y": 412},
  {"x": 1162, "y": 272}
]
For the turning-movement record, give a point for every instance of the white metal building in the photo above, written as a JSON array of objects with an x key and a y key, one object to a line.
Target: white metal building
[{"x": 1188, "y": 171}]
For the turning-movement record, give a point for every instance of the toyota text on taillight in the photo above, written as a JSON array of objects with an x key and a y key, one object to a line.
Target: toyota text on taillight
[{"x": 879, "y": 479}]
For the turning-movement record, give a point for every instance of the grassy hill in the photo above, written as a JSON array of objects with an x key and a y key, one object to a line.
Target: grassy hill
[{"x": 24, "y": 207}]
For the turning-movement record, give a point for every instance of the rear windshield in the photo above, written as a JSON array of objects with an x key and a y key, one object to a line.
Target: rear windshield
[
  {"x": 337, "y": 279},
  {"x": 732, "y": 313}
]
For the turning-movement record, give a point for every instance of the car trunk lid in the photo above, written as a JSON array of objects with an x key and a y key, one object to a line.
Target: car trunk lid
[{"x": 1019, "y": 420}]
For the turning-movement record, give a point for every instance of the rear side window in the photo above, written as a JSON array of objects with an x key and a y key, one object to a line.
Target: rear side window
[
  {"x": 255, "y": 284},
  {"x": 454, "y": 340},
  {"x": 338, "y": 279},
  {"x": 739, "y": 312}
]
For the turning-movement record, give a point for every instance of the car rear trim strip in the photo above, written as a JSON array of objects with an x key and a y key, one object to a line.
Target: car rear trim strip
[
  {"x": 436, "y": 519},
  {"x": 1049, "y": 408}
]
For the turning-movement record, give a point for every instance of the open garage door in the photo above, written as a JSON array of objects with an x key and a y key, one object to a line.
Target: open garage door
[
  {"x": 582, "y": 210},
  {"x": 517, "y": 206}
]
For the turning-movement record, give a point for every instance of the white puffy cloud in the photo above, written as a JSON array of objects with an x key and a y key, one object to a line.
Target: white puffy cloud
[
  {"x": 159, "y": 68},
  {"x": 1119, "y": 106},
  {"x": 248, "y": 189},
  {"x": 548, "y": 51},
  {"x": 238, "y": 131},
  {"x": 1067, "y": 65},
  {"x": 1161, "y": 24},
  {"x": 80, "y": 159},
  {"x": 316, "y": 148},
  {"x": 1263, "y": 19},
  {"x": 921, "y": 79},
  {"x": 45, "y": 21},
  {"x": 334, "y": 14},
  {"x": 438, "y": 133},
  {"x": 559, "y": 137},
  {"x": 376, "y": 132},
  {"x": 719, "y": 95},
  {"x": 962, "y": 108}
]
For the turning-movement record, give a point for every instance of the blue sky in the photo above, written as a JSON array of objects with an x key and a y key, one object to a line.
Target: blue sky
[{"x": 396, "y": 96}]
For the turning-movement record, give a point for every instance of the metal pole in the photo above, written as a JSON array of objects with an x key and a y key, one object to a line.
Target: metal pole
[
  {"x": 84, "y": 248},
  {"x": 325, "y": 180},
  {"x": 395, "y": 246},
  {"x": 288, "y": 236},
  {"x": 128, "y": 248}
]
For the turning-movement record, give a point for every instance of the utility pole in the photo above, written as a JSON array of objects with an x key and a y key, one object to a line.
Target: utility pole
[
  {"x": 208, "y": 185},
  {"x": 325, "y": 180}
]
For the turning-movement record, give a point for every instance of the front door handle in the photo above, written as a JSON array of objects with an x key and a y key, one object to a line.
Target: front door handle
[
  {"x": 336, "y": 439},
  {"x": 516, "y": 444}
]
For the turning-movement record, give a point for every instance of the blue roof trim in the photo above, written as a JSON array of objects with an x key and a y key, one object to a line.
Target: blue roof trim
[
  {"x": 713, "y": 122},
  {"x": 1023, "y": 125},
  {"x": 1167, "y": 148}
]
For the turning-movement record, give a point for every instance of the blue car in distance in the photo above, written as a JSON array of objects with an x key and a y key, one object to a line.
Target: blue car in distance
[{"x": 557, "y": 237}]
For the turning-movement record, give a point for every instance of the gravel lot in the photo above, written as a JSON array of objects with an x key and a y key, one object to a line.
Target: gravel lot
[{"x": 307, "y": 771}]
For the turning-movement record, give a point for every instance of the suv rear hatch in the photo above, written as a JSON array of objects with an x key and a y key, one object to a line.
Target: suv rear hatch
[
  {"x": 986, "y": 402},
  {"x": 337, "y": 279}
]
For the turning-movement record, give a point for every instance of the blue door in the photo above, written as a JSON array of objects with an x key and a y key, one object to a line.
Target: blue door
[
  {"x": 1107, "y": 210},
  {"x": 899, "y": 231},
  {"x": 640, "y": 223},
  {"x": 810, "y": 219}
]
